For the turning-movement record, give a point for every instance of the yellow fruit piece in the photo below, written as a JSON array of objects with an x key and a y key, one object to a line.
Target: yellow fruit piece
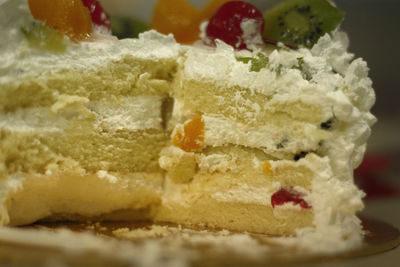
[
  {"x": 173, "y": 16},
  {"x": 182, "y": 19},
  {"x": 192, "y": 138},
  {"x": 69, "y": 17},
  {"x": 267, "y": 167}
]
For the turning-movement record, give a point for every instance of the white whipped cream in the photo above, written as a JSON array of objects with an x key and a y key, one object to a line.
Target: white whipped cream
[
  {"x": 134, "y": 113},
  {"x": 248, "y": 194},
  {"x": 219, "y": 132}
]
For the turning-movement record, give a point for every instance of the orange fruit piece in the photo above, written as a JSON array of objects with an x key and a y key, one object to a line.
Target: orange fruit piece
[
  {"x": 267, "y": 167},
  {"x": 192, "y": 138},
  {"x": 182, "y": 19},
  {"x": 173, "y": 16},
  {"x": 69, "y": 17}
]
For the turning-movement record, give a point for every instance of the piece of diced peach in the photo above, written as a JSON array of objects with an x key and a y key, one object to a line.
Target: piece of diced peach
[
  {"x": 69, "y": 17},
  {"x": 192, "y": 138}
]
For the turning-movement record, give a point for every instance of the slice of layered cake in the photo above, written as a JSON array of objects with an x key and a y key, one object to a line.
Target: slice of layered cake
[
  {"x": 81, "y": 122},
  {"x": 230, "y": 132},
  {"x": 266, "y": 141}
]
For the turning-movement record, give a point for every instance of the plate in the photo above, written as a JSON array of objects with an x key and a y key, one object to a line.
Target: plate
[{"x": 127, "y": 244}]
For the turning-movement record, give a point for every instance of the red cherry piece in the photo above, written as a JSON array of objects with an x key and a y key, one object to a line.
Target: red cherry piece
[
  {"x": 225, "y": 23},
  {"x": 99, "y": 16},
  {"x": 285, "y": 195}
]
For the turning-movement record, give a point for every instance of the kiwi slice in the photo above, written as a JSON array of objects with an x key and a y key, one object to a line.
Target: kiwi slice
[
  {"x": 42, "y": 37},
  {"x": 124, "y": 27},
  {"x": 257, "y": 63},
  {"x": 301, "y": 22}
]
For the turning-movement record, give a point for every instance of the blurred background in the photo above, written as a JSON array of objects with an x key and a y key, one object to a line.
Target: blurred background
[{"x": 373, "y": 28}]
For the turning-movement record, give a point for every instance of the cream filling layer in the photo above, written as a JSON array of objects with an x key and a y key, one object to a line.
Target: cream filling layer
[
  {"x": 299, "y": 136},
  {"x": 130, "y": 113},
  {"x": 248, "y": 194}
]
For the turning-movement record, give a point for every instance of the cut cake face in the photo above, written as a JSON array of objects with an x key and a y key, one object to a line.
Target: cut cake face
[{"x": 148, "y": 129}]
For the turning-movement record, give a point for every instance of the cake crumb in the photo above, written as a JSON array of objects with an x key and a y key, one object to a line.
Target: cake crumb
[{"x": 140, "y": 233}]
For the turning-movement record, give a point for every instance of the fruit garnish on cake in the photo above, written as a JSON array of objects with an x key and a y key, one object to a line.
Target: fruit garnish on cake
[
  {"x": 192, "y": 137},
  {"x": 58, "y": 21},
  {"x": 181, "y": 18},
  {"x": 71, "y": 18},
  {"x": 288, "y": 195},
  {"x": 256, "y": 126},
  {"x": 228, "y": 23},
  {"x": 293, "y": 23},
  {"x": 43, "y": 37},
  {"x": 99, "y": 16},
  {"x": 301, "y": 22}
]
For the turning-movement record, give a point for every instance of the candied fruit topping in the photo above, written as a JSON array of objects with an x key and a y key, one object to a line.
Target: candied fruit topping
[
  {"x": 192, "y": 138},
  {"x": 99, "y": 16},
  {"x": 205, "y": 15},
  {"x": 286, "y": 195},
  {"x": 69, "y": 17},
  {"x": 174, "y": 16},
  {"x": 226, "y": 23},
  {"x": 126, "y": 27},
  {"x": 267, "y": 167},
  {"x": 210, "y": 9},
  {"x": 301, "y": 22},
  {"x": 42, "y": 37},
  {"x": 257, "y": 63},
  {"x": 182, "y": 19}
]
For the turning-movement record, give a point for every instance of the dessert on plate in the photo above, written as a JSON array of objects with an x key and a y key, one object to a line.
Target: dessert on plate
[{"x": 257, "y": 127}]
